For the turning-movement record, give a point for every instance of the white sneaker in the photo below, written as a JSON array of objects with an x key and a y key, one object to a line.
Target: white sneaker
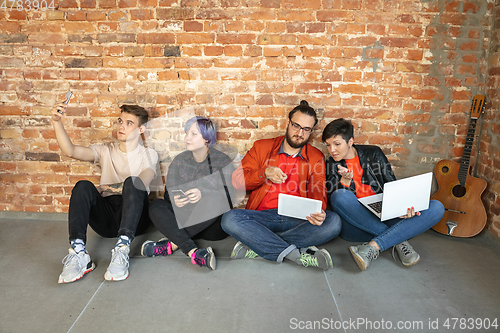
[
  {"x": 406, "y": 253},
  {"x": 76, "y": 265},
  {"x": 118, "y": 267}
]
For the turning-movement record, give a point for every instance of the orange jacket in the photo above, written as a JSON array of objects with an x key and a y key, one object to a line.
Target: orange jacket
[{"x": 264, "y": 153}]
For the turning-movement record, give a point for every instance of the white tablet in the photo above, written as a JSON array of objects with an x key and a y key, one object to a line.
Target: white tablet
[{"x": 299, "y": 207}]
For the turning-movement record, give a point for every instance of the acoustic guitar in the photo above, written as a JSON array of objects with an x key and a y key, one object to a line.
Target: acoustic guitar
[{"x": 459, "y": 192}]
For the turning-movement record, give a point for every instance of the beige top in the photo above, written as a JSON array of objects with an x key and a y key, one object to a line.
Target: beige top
[{"x": 116, "y": 165}]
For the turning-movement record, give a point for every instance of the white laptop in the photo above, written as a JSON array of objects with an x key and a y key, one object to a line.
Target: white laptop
[
  {"x": 299, "y": 207},
  {"x": 400, "y": 195}
]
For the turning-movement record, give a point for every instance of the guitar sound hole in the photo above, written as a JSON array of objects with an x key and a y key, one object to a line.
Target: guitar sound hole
[
  {"x": 459, "y": 191},
  {"x": 445, "y": 169}
]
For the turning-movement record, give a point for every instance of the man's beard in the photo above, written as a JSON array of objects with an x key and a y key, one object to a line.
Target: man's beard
[{"x": 292, "y": 143}]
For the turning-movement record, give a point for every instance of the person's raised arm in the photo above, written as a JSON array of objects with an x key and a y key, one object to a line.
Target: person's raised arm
[{"x": 67, "y": 147}]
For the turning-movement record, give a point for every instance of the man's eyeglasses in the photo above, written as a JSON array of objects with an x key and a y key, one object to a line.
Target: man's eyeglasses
[{"x": 297, "y": 127}]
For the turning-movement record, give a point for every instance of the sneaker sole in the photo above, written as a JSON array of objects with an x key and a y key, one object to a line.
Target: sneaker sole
[
  {"x": 78, "y": 277},
  {"x": 233, "y": 254},
  {"x": 142, "y": 248},
  {"x": 359, "y": 261},
  {"x": 411, "y": 264},
  {"x": 107, "y": 277},
  {"x": 213, "y": 262},
  {"x": 329, "y": 260}
]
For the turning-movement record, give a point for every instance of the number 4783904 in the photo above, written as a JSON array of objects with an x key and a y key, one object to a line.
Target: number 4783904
[{"x": 27, "y": 5}]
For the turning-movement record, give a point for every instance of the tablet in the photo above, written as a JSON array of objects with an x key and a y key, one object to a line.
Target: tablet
[{"x": 298, "y": 207}]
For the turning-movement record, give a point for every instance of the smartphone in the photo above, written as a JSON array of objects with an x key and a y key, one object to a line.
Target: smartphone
[
  {"x": 68, "y": 97},
  {"x": 181, "y": 193}
]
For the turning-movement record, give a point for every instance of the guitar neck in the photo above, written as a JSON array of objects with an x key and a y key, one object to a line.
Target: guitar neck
[{"x": 464, "y": 164}]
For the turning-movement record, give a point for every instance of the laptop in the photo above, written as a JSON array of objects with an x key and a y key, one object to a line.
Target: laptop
[
  {"x": 400, "y": 195},
  {"x": 298, "y": 207}
]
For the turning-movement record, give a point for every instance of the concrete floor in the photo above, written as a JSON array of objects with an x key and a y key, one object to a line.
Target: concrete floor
[{"x": 456, "y": 278}]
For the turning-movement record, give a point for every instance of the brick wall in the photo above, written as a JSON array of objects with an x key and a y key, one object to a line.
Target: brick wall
[
  {"x": 489, "y": 158},
  {"x": 404, "y": 70}
]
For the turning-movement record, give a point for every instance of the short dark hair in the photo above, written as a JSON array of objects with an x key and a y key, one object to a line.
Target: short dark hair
[
  {"x": 137, "y": 111},
  {"x": 340, "y": 127},
  {"x": 206, "y": 127},
  {"x": 304, "y": 108}
]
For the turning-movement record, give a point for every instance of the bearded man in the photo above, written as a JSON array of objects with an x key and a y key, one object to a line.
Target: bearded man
[{"x": 289, "y": 165}]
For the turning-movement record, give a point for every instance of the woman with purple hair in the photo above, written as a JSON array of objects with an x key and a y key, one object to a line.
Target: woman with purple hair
[{"x": 197, "y": 192}]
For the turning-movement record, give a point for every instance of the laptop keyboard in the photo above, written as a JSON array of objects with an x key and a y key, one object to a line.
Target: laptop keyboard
[{"x": 376, "y": 206}]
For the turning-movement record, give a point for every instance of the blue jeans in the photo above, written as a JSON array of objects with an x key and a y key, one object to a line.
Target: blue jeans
[
  {"x": 273, "y": 236},
  {"x": 361, "y": 225}
]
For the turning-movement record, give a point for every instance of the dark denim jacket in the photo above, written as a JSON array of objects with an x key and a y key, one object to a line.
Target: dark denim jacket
[{"x": 376, "y": 170}]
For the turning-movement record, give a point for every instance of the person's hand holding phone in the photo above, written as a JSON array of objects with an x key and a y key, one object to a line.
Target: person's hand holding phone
[
  {"x": 180, "y": 198},
  {"x": 194, "y": 195},
  {"x": 346, "y": 175},
  {"x": 59, "y": 110}
]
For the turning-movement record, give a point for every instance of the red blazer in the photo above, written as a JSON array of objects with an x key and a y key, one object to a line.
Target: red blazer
[{"x": 264, "y": 153}]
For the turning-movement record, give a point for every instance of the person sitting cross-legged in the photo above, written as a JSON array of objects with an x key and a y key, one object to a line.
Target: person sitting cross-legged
[
  {"x": 196, "y": 196},
  {"x": 286, "y": 164},
  {"x": 356, "y": 171}
]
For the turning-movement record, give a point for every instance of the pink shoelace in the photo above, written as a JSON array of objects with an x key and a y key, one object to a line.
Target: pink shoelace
[{"x": 163, "y": 250}]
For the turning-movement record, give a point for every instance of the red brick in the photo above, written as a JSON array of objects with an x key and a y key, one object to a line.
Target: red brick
[
  {"x": 17, "y": 15},
  {"x": 313, "y": 88},
  {"x": 234, "y": 63},
  {"x": 252, "y": 51},
  {"x": 233, "y": 50},
  {"x": 353, "y": 89},
  {"x": 452, "y": 19},
  {"x": 76, "y": 16},
  {"x": 141, "y": 14},
  {"x": 107, "y": 4},
  {"x": 356, "y": 41},
  {"x": 470, "y": 58},
  {"x": 351, "y": 4},
  {"x": 333, "y": 15},
  {"x": 191, "y": 26},
  {"x": 463, "y": 69},
  {"x": 127, "y": 3},
  {"x": 270, "y": 3},
  {"x": 415, "y": 55},
  {"x": 377, "y": 29},
  {"x": 295, "y": 15},
  {"x": 193, "y": 38},
  {"x": 155, "y": 38},
  {"x": 356, "y": 29},
  {"x": 192, "y": 63},
  {"x": 462, "y": 95},
  {"x": 234, "y": 26},
  {"x": 294, "y": 27},
  {"x": 214, "y": 51},
  {"x": 398, "y": 42},
  {"x": 6, "y": 110},
  {"x": 470, "y": 46},
  {"x": 314, "y": 40},
  {"x": 235, "y": 38},
  {"x": 332, "y": 4},
  {"x": 96, "y": 16}
]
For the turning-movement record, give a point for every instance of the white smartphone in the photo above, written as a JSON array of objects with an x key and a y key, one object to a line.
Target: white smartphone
[{"x": 68, "y": 97}]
